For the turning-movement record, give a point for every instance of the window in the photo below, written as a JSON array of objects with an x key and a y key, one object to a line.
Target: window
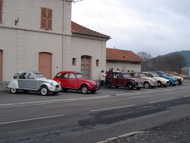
[
  {"x": 1, "y": 11},
  {"x": 74, "y": 62},
  {"x": 46, "y": 18},
  {"x": 65, "y": 76},
  {"x": 71, "y": 76},
  {"x": 97, "y": 63}
]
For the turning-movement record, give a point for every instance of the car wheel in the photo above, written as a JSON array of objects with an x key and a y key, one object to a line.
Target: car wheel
[
  {"x": 93, "y": 92},
  {"x": 138, "y": 88},
  {"x": 147, "y": 85},
  {"x": 44, "y": 91},
  {"x": 13, "y": 90},
  {"x": 159, "y": 84},
  {"x": 84, "y": 89},
  {"x": 64, "y": 89},
  {"x": 129, "y": 86}
]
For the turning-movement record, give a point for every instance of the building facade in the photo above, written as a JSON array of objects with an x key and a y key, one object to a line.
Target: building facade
[
  {"x": 37, "y": 35},
  {"x": 122, "y": 60}
]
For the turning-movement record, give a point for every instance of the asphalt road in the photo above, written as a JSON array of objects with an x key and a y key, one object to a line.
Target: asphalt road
[{"x": 73, "y": 117}]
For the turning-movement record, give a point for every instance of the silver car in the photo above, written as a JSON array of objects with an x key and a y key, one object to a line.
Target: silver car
[{"x": 33, "y": 81}]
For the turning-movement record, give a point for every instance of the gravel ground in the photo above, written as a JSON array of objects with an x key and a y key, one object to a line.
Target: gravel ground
[{"x": 173, "y": 132}]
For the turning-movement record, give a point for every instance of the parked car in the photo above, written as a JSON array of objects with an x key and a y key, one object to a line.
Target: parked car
[
  {"x": 125, "y": 80},
  {"x": 148, "y": 82},
  {"x": 179, "y": 78},
  {"x": 172, "y": 80},
  {"x": 75, "y": 80},
  {"x": 162, "y": 82},
  {"x": 33, "y": 81}
]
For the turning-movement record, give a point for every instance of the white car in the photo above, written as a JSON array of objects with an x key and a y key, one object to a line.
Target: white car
[
  {"x": 33, "y": 81},
  {"x": 162, "y": 82}
]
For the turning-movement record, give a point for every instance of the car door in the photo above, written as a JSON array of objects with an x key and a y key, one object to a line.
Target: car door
[
  {"x": 30, "y": 83},
  {"x": 73, "y": 81},
  {"x": 64, "y": 80}
]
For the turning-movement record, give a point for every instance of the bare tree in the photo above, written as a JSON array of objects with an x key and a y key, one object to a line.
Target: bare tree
[{"x": 144, "y": 55}]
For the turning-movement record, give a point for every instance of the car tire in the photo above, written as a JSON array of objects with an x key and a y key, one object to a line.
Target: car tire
[
  {"x": 13, "y": 90},
  {"x": 130, "y": 86},
  {"x": 64, "y": 89},
  {"x": 147, "y": 85},
  {"x": 93, "y": 92},
  {"x": 44, "y": 91},
  {"x": 84, "y": 89},
  {"x": 159, "y": 84},
  {"x": 138, "y": 88}
]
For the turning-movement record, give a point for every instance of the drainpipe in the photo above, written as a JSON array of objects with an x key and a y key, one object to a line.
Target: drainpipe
[{"x": 62, "y": 40}]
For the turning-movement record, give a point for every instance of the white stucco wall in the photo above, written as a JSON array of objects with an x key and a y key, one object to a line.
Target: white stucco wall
[
  {"x": 21, "y": 49},
  {"x": 29, "y": 14},
  {"x": 22, "y": 43},
  {"x": 124, "y": 67},
  {"x": 82, "y": 46}
]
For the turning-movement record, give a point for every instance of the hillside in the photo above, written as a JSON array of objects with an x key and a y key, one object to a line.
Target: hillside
[{"x": 169, "y": 62}]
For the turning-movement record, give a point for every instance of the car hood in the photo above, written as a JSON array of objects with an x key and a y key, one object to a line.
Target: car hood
[{"x": 150, "y": 79}]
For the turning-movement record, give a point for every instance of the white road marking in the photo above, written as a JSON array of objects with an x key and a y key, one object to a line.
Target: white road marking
[
  {"x": 112, "y": 108},
  {"x": 54, "y": 101},
  {"x": 31, "y": 119},
  {"x": 117, "y": 139}
]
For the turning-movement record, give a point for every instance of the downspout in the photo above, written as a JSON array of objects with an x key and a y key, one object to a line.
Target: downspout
[{"x": 62, "y": 40}]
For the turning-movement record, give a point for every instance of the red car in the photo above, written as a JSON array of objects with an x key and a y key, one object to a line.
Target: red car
[{"x": 74, "y": 80}]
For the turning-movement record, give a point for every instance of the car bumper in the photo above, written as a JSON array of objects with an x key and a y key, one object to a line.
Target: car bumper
[{"x": 55, "y": 89}]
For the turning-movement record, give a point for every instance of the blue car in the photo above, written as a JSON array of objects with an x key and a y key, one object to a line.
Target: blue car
[{"x": 172, "y": 80}]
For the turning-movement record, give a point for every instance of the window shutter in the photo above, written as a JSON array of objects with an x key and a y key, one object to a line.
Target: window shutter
[
  {"x": 1, "y": 11},
  {"x": 46, "y": 18},
  {"x": 43, "y": 10},
  {"x": 49, "y": 19}
]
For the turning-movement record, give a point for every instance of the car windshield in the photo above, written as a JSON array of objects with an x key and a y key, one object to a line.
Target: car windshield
[
  {"x": 155, "y": 74},
  {"x": 39, "y": 75},
  {"x": 126, "y": 75},
  {"x": 79, "y": 75},
  {"x": 142, "y": 75}
]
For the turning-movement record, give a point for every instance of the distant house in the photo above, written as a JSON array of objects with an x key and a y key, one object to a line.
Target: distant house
[{"x": 123, "y": 60}]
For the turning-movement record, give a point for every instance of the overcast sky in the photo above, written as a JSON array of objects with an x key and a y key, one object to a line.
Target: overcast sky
[{"x": 154, "y": 26}]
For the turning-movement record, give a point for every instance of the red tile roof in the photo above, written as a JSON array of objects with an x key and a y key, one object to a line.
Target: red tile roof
[
  {"x": 79, "y": 29},
  {"x": 122, "y": 55}
]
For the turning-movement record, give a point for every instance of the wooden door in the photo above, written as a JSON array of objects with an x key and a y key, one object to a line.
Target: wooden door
[
  {"x": 45, "y": 64},
  {"x": 86, "y": 66}
]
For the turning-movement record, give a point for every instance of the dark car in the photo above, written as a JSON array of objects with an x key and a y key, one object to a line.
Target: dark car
[
  {"x": 124, "y": 80},
  {"x": 75, "y": 80}
]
